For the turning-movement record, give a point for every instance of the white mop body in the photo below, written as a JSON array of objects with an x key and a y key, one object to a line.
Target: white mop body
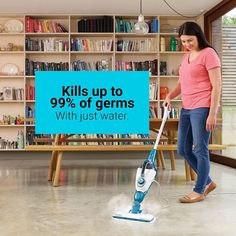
[{"x": 142, "y": 217}]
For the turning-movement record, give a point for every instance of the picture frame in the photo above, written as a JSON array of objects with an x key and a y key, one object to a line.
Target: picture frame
[{"x": 8, "y": 93}]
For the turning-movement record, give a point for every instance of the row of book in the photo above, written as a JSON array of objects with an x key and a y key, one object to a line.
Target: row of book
[
  {"x": 171, "y": 71},
  {"x": 153, "y": 91},
  {"x": 30, "y": 92},
  {"x": 150, "y": 66},
  {"x": 110, "y": 136},
  {"x": 98, "y": 24},
  {"x": 32, "y": 66},
  {"x": 163, "y": 68},
  {"x": 29, "y": 113},
  {"x": 46, "y": 45},
  {"x": 141, "y": 45},
  {"x": 127, "y": 26},
  {"x": 83, "y": 44},
  {"x": 174, "y": 113},
  {"x": 18, "y": 93},
  {"x": 100, "y": 45},
  {"x": 11, "y": 93},
  {"x": 101, "y": 65},
  {"x": 30, "y": 136},
  {"x": 93, "y": 24},
  {"x": 34, "y": 25}
]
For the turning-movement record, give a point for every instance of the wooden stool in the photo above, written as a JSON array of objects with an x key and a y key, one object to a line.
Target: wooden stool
[
  {"x": 172, "y": 160},
  {"x": 162, "y": 160},
  {"x": 190, "y": 173}
]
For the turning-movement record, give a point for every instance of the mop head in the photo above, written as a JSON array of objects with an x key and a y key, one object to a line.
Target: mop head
[{"x": 135, "y": 217}]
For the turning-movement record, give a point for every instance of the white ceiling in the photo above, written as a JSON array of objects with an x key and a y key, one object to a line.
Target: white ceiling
[{"x": 152, "y": 7}]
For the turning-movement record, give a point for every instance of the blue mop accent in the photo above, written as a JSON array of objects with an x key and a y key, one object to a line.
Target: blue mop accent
[
  {"x": 141, "y": 181},
  {"x": 152, "y": 156},
  {"x": 135, "y": 217},
  {"x": 138, "y": 198}
]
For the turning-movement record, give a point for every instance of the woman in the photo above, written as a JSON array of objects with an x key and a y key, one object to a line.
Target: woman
[{"x": 200, "y": 87}]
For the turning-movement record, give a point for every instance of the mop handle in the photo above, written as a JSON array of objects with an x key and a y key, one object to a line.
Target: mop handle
[{"x": 164, "y": 119}]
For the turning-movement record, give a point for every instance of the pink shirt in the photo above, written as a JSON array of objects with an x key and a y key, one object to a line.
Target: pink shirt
[{"x": 194, "y": 79}]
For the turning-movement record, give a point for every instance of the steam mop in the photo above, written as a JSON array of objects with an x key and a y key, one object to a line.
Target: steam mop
[{"x": 145, "y": 176}]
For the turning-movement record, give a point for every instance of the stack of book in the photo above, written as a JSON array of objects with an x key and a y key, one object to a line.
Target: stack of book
[
  {"x": 32, "y": 66},
  {"x": 46, "y": 45},
  {"x": 98, "y": 24},
  {"x": 34, "y": 25},
  {"x": 141, "y": 45},
  {"x": 30, "y": 136},
  {"x": 99, "y": 45},
  {"x": 30, "y": 92},
  {"x": 127, "y": 25},
  {"x": 153, "y": 112},
  {"x": 102, "y": 65},
  {"x": 153, "y": 91},
  {"x": 174, "y": 113},
  {"x": 150, "y": 66}
]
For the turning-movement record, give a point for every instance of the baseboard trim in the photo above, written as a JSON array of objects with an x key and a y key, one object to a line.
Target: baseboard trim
[{"x": 227, "y": 161}]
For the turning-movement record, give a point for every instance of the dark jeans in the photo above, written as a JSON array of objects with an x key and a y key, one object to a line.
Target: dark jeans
[{"x": 193, "y": 141}]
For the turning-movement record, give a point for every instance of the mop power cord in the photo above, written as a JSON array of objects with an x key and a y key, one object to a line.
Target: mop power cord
[{"x": 145, "y": 176}]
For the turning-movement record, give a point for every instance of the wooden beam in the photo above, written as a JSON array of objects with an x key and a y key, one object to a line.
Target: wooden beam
[
  {"x": 114, "y": 148},
  {"x": 216, "y": 12}
]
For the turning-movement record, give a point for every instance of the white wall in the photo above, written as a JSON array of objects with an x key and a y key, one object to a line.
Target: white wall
[{"x": 229, "y": 125}]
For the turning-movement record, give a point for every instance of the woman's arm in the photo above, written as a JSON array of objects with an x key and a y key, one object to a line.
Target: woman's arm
[
  {"x": 172, "y": 94},
  {"x": 215, "y": 78}
]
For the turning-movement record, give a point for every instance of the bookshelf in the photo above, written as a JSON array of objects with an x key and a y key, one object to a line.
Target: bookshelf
[{"x": 79, "y": 42}]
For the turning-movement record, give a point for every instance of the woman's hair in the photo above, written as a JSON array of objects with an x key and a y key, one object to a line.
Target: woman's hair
[{"x": 192, "y": 28}]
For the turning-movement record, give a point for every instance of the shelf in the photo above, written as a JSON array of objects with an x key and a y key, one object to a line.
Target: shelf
[
  {"x": 30, "y": 101},
  {"x": 169, "y": 76},
  {"x": 169, "y": 34},
  {"x": 47, "y": 34},
  {"x": 11, "y": 126},
  {"x": 95, "y": 148},
  {"x": 154, "y": 100},
  {"x": 173, "y": 52},
  {"x": 171, "y": 120},
  {"x": 12, "y": 76},
  {"x": 96, "y": 34},
  {"x": 136, "y": 35},
  {"x": 12, "y": 150},
  {"x": 11, "y": 52},
  {"x": 90, "y": 52},
  {"x": 153, "y": 76},
  {"x": 136, "y": 52},
  {"x": 12, "y": 34},
  {"x": 173, "y": 100},
  {"x": 47, "y": 52},
  {"x": 11, "y": 101},
  {"x": 29, "y": 76},
  {"x": 90, "y": 40}
]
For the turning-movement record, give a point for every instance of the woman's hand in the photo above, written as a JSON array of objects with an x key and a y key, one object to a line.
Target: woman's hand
[
  {"x": 210, "y": 122},
  {"x": 167, "y": 102}
]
